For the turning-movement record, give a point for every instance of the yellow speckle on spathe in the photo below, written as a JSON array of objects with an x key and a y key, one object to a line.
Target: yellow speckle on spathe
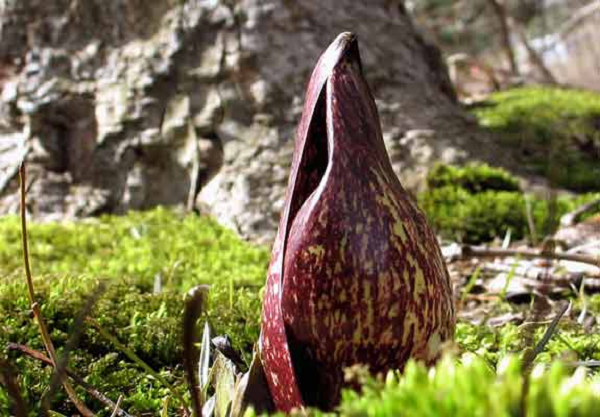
[
  {"x": 394, "y": 311},
  {"x": 343, "y": 297},
  {"x": 400, "y": 232},
  {"x": 410, "y": 322},
  {"x": 396, "y": 280},
  {"x": 406, "y": 276},
  {"x": 359, "y": 228},
  {"x": 419, "y": 282},
  {"x": 317, "y": 250},
  {"x": 369, "y": 301},
  {"x": 343, "y": 244},
  {"x": 338, "y": 267},
  {"x": 411, "y": 261},
  {"x": 336, "y": 351},
  {"x": 357, "y": 337},
  {"x": 387, "y": 336},
  {"x": 434, "y": 345},
  {"x": 369, "y": 267}
]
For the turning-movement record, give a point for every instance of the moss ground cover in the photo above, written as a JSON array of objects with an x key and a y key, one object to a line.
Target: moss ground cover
[
  {"x": 477, "y": 203},
  {"x": 128, "y": 253},
  {"x": 556, "y": 131}
]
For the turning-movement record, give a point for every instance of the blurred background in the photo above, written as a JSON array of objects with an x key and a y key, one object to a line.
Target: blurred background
[
  {"x": 132, "y": 104},
  {"x": 552, "y": 41}
]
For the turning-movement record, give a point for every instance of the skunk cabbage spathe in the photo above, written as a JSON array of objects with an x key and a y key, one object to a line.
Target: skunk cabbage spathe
[{"x": 356, "y": 274}]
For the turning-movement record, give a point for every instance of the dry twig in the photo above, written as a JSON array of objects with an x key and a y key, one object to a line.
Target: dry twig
[
  {"x": 85, "y": 412},
  {"x": 475, "y": 252}
]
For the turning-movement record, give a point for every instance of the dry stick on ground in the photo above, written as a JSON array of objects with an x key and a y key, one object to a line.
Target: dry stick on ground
[
  {"x": 90, "y": 389},
  {"x": 85, "y": 412},
  {"x": 536, "y": 276},
  {"x": 474, "y": 252}
]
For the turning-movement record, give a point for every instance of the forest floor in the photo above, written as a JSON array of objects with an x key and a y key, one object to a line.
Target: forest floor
[{"x": 524, "y": 269}]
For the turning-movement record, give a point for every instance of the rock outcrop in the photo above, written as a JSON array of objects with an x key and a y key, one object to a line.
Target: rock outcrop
[{"x": 127, "y": 104}]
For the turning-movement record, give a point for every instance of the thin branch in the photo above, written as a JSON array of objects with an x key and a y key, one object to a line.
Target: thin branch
[
  {"x": 534, "y": 57},
  {"x": 90, "y": 389},
  {"x": 22, "y": 180},
  {"x": 578, "y": 17},
  {"x": 503, "y": 20},
  {"x": 536, "y": 276},
  {"x": 475, "y": 252},
  {"x": 34, "y": 305}
]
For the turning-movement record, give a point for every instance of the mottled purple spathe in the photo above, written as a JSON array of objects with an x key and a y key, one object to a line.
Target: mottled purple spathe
[{"x": 356, "y": 274}]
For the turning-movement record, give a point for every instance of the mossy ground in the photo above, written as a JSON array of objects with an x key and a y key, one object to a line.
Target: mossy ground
[
  {"x": 477, "y": 203},
  {"x": 128, "y": 253},
  {"x": 556, "y": 132}
]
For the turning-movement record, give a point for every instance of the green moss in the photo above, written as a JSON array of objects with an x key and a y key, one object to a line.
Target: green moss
[
  {"x": 150, "y": 324},
  {"x": 556, "y": 131},
  {"x": 472, "y": 388},
  {"x": 478, "y": 203},
  {"x": 184, "y": 250},
  {"x": 126, "y": 254},
  {"x": 474, "y": 178}
]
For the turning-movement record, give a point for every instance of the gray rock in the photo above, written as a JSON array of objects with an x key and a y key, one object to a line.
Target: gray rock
[{"x": 127, "y": 104}]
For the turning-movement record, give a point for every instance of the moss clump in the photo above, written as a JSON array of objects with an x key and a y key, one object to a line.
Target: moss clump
[
  {"x": 473, "y": 178},
  {"x": 477, "y": 203},
  {"x": 183, "y": 250},
  {"x": 556, "y": 131},
  {"x": 127, "y": 254},
  {"x": 473, "y": 388}
]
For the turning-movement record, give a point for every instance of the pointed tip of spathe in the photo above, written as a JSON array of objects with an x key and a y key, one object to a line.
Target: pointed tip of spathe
[
  {"x": 345, "y": 38},
  {"x": 344, "y": 47},
  {"x": 342, "y": 44}
]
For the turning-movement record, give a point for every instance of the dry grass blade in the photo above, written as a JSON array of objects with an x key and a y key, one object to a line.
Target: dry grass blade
[
  {"x": 530, "y": 356},
  {"x": 194, "y": 307},
  {"x": 90, "y": 389},
  {"x": 8, "y": 378},
  {"x": 115, "y": 412},
  {"x": 541, "y": 345},
  {"x": 85, "y": 412},
  {"x": 74, "y": 339}
]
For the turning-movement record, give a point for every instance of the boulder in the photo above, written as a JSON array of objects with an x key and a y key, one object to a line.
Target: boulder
[{"x": 129, "y": 104}]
